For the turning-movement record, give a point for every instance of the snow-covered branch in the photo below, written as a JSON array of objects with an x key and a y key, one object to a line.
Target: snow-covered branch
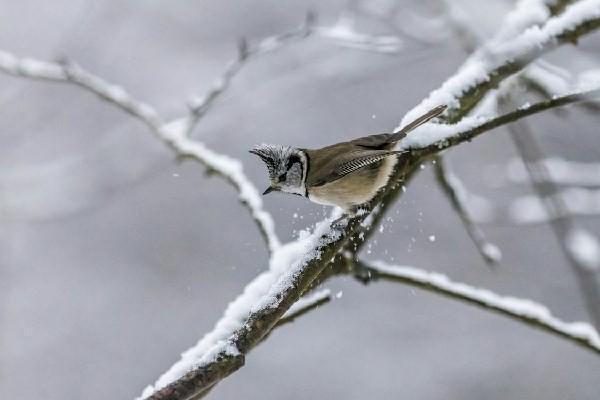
[
  {"x": 489, "y": 66},
  {"x": 454, "y": 190},
  {"x": 524, "y": 310},
  {"x": 442, "y": 136},
  {"x": 173, "y": 133}
]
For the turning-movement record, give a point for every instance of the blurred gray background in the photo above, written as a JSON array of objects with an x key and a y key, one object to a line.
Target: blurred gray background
[{"x": 114, "y": 257}]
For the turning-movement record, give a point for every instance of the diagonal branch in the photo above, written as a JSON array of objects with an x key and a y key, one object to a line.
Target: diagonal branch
[
  {"x": 226, "y": 356},
  {"x": 527, "y": 311},
  {"x": 201, "y": 105},
  {"x": 173, "y": 133},
  {"x": 444, "y": 136},
  {"x": 455, "y": 192},
  {"x": 487, "y": 68}
]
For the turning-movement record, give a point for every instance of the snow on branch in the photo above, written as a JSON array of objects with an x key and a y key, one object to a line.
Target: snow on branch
[
  {"x": 253, "y": 314},
  {"x": 488, "y": 67},
  {"x": 524, "y": 310},
  {"x": 441, "y": 136},
  {"x": 344, "y": 34},
  {"x": 173, "y": 133},
  {"x": 454, "y": 190}
]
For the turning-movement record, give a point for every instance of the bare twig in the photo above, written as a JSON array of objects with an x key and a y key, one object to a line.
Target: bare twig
[
  {"x": 306, "y": 304},
  {"x": 200, "y": 106},
  {"x": 454, "y": 190},
  {"x": 534, "y": 314}
]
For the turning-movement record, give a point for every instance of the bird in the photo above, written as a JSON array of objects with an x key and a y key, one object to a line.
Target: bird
[{"x": 347, "y": 175}]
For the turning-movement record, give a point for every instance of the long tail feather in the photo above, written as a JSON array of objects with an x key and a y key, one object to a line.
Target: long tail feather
[{"x": 419, "y": 121}]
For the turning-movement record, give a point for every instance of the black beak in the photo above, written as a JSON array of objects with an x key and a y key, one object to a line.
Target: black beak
[{"x": 269, "y": 190}]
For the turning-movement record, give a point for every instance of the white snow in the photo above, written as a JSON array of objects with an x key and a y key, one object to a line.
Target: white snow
[
  {"x": 584, "y": 248},
  {"x": 516, "y": 306},
  {"x": 344, "y": 34},
  {"x": 492, "y": 252}
]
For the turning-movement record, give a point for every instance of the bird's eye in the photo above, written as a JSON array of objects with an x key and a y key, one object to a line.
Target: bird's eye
[{"x": 282, "y": 177}]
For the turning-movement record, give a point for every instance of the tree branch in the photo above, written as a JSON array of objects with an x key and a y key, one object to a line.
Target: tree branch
[
  {"x": 173, "y": 133},
  {"x": 562, "y": 225},
  {"x": 533, "y": 314},
  {"x": 487, "y": 68},
  {"x": 444, "y": 136},
  {"x": 454, "y": 191}
]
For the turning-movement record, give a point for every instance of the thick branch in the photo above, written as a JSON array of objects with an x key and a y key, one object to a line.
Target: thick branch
[{"x": 533, "y": 314}]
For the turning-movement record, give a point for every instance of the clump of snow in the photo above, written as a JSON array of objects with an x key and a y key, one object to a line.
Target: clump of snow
[
  {"x": 491, "y": 252},
  {"x": 519, "y": 307},
  {"x": 344, "y": 34},
  {"x": 584, "y": 248}
]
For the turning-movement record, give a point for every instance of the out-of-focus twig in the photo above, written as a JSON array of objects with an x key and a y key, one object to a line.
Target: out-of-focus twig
[{"x": 453, "y": 189}]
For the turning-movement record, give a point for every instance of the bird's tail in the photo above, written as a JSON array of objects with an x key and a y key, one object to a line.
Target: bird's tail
[{"x": 434, "y": 112}]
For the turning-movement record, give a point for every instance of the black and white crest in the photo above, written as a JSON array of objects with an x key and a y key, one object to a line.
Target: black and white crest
[{"x": 274, "y": 156}]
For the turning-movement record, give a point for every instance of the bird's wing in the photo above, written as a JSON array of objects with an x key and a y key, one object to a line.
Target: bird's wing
[
  {"x": 381, "y": 141},
  {"x": 350, "y": 163}
]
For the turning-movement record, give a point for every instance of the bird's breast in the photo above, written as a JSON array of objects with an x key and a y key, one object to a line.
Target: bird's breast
[{"x": 354, "y": 189}]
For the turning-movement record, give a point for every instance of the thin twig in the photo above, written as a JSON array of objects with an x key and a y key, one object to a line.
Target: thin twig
[
  {"x": 200, "y": 106},
  {"x": 524, "y": 310},
  {"x": 454, "y": 191}
]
